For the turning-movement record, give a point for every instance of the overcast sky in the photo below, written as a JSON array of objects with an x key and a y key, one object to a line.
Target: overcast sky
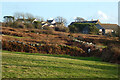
[{"x": 106, "y": 12}]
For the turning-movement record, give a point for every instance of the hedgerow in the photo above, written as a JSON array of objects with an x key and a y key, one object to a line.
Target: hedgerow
[{"x": 48, "y": 49}]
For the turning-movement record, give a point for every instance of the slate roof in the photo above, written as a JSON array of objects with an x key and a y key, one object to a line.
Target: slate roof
[
  {"x": 95, "y": 21},
  {"x": 50, "y": 21},
  {"x": 99, "y": 26},
  {"x": 110, "y": 26},
  {"x": 89, "y": 21}
]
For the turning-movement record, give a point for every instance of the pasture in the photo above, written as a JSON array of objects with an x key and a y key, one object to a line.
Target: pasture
[{"x": 35, "y": 65}]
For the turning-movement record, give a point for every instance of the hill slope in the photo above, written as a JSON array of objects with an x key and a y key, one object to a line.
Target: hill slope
[{"x": 28, "y": 65}]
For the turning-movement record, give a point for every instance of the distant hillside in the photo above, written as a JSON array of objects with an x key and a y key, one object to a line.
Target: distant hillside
[{"x": 55, "y": 42}]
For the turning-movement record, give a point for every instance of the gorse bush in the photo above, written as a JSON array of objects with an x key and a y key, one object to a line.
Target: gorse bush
[
  {"x": 48, "y": 28},
  {"x": 14, "y": 46},
  {"x": 93, "y": 51},
  {"x": 73, "y": 29},
  {"x": 62, "y": 29},
  {"x": 49, "y": 49},
  {"x": 111, "y": 53},
  {"x": 7, "y": 24},
  {"x": 18, "y": 25},
  {"x": 73, "y": 51},
  {"x": 13, "y": 33},
  {"x": 29, "y": 25}
]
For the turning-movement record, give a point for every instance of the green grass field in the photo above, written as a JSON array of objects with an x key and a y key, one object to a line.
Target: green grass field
[{"x": 33, "y": 65}]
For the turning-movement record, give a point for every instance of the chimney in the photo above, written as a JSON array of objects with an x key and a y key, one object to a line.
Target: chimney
[{"x": 98, "y": 20}]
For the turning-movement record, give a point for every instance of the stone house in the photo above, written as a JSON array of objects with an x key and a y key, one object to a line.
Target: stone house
[
  {"x": 109, "y": 28},
  {"x": 103, "y": 28}
]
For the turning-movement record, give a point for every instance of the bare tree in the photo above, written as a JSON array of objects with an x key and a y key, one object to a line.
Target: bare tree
[
  {"x": 79, "y": 19},
  {"x": 39, "y": 18},
  {"x": 29, "y": 16},
  {"x": 8, "y": 19},
  {"x": 17, "y": 15},
  {"x": 22, "y": 15},
  {"x": 61, "y": 20}
]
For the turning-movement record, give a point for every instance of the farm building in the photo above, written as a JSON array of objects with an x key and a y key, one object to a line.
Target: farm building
[
  {"x": 86, "y": 29},
  {"x": 92, "y": 21},
  {"x": 103, "y": 28},
  {"x": 52, "y": 23},
  {"x": 109, "y": 28},
  {"x": 49, "y": 23}
]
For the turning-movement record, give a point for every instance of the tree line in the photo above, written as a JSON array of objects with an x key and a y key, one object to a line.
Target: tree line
[
  {"x": 13, "y": 21},
  {"x": 29, "y": 16}
]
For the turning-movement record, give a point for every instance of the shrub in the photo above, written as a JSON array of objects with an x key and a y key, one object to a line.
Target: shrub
[
  {"x": 33, "y": 31},
  {"x": 18, "y": 25},
  {"x": 11, "y": 29},
  {"x": 8, "y": 24},
  {"x": 48, "y": 32},
  {"x": 49, "y": 49},
  {"x": 48, "y": 28},
  {"x": 29, "y": 25},
  {"x": 62, "y": 29},
  {"x": 3, "y": 24},
  {"x": 73, "y": 51},
  {"x": 13, "y": 33},
  {"x": 14, "y": 46},
  {"x": 93, "y": 29},
  {"x": 73, "y": 29},
  {"x": 21, "y": 26},
  {"x": 37, "y": 25},
  {"x": 111, "y": 53}
]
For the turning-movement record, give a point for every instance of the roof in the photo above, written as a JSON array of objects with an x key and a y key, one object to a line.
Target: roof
[
  {"x": 72, "y": 23},
  {"x": 50, "y": 21},
  {"x": 89, "y": 21},
  {"x": 35, "y": 20},
  {"x": 8, "y": 17},
  {"x": 99, "y": 26},
  {"x": 110, "y": 26},
  {"x": 95, "y": 21}
]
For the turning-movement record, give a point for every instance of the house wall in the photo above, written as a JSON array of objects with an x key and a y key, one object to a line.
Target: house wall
[
  {"x": 51, "y": 26},
  {"x": 108, "y": 31}
]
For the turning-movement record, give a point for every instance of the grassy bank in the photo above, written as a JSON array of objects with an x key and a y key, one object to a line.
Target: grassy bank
[{"x": 33, "y": 65}]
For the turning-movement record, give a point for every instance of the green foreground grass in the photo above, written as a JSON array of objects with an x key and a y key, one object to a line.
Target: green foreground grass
[{"x": 34, "y": 65}]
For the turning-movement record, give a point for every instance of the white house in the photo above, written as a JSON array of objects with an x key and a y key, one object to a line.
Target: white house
[
  {"x": 34, "y": 20},
  {"x": 49, "y": 23}
]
